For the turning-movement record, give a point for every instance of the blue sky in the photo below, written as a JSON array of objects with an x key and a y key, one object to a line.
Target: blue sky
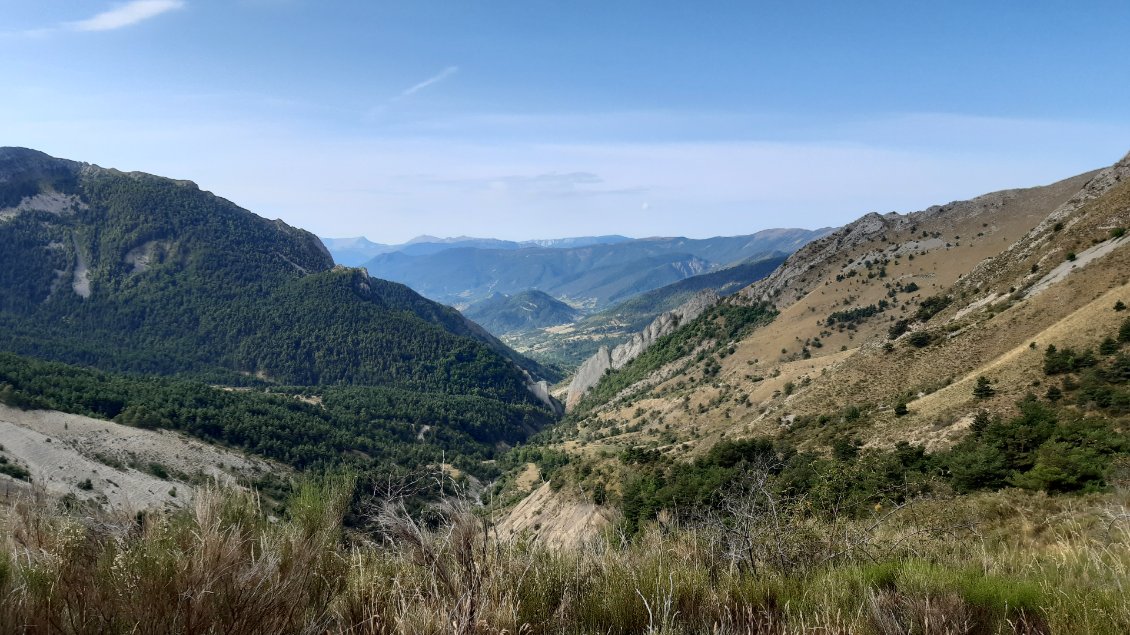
[{"x": 533, "y": 119}]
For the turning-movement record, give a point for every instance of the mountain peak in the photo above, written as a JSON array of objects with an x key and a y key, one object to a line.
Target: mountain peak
[{"x": 32, "y": 166}]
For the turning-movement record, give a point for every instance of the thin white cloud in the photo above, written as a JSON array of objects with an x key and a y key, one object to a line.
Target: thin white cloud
[
  {"x": 126, "y": 14},
  {"x": 435, "y": 79},
  {"x": 376, "y": 112}
]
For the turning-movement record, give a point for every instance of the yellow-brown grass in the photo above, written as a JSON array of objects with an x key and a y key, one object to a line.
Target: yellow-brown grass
[{"x": 999, "y": 563}]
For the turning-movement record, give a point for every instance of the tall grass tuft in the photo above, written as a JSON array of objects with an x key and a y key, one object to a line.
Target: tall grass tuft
[{"x": 1017, "y": 563}]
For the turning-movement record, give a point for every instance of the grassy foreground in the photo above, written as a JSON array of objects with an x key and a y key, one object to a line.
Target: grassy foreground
[{"x": 1008, "y": 562}]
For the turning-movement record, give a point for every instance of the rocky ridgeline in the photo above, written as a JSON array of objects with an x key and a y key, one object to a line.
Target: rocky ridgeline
[
  {"x": 813, "y": 262},
  {"x": 873, "y": 232},
  {"x": 1012, "y": 263},
  {"x": 604, "y": 359}
]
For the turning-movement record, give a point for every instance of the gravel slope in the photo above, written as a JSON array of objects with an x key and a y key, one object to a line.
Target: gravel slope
[{"x": 129, "y": 468}]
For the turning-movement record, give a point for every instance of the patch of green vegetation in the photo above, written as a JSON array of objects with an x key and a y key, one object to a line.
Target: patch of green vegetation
[
  {"x": 226, "y": 297},
  {"x": 851, "y": 483},
  {"x": 14, "y": 470},
  {"x": 368, "y": 427},
  {"x": 931, "y": 306},
  {"x": 1066, "y": 445},
  {"x": 920, "y": 339},
  {"x": 1041, "y": 449},
  {"x": 720, "y": 324},
  {"x": 857, "y": 314},
  {"x": 1067, "y": 360}
]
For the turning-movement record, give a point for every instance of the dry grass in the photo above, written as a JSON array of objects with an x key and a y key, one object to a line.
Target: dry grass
[
  {"x": 1025, "y": 564},
  {"x": 857, "y": 375}
]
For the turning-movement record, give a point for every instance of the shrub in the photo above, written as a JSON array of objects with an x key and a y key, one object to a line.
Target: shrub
[
  {"x": 929, "y": 307},
  {"x": 920, "y": 339},
  {"x": 17, "y": 472},
  {"x": 980, "y": 423},
  {"x": 897, "y": 329}
]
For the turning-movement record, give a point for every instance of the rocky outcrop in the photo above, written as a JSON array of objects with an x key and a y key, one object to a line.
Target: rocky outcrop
[
  {"x": 605, "y": 360},
  {"x": 51, "y": 202},
  {"x": 809, "y": 263},
  {"x": 877, "y": 233},
  {"x": 81, "y": 281},
  {"x": 540, "y": 389},
  {"x": 1012, "y": 262},
  {"x": 144, "y": 256},
  {"x": 560, "y": 519},
  {"x": 587, "y": 376}
]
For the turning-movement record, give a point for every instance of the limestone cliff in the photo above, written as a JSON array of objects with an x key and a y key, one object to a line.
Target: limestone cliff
[{"x": 590, "y": 372}]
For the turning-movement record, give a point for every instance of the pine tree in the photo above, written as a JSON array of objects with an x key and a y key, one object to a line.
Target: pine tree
[
  {"x": 983, "y": 389},
  {"x": 980, "y": 421}
]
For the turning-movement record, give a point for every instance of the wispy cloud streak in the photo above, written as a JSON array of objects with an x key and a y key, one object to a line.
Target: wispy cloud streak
[
  {"x": 125, "y": 15},
  {"x": 435, "y": 79}
]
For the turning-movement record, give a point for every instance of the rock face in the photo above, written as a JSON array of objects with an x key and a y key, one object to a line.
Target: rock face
[
  {"x": 540, "y": 389},
  {"x": 587, "y": 376},
  {"x": 604, "y": 360}
]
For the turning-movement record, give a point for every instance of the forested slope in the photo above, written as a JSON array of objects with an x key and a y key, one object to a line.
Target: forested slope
[{"x": 140, "y": 276}]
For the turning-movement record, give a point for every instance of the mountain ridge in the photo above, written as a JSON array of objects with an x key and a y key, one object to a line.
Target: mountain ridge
[
  {"x": 884, "y": 332},
  {"x": 357, "y": 250},
  {"x": 591, "y": 277},
  {"x": 155, "y": 290}
]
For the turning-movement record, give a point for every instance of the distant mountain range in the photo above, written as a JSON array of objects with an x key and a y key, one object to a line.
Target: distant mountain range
[
  {"x": 352, "y": 252},
  {"x": 588, "y": 273}
]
